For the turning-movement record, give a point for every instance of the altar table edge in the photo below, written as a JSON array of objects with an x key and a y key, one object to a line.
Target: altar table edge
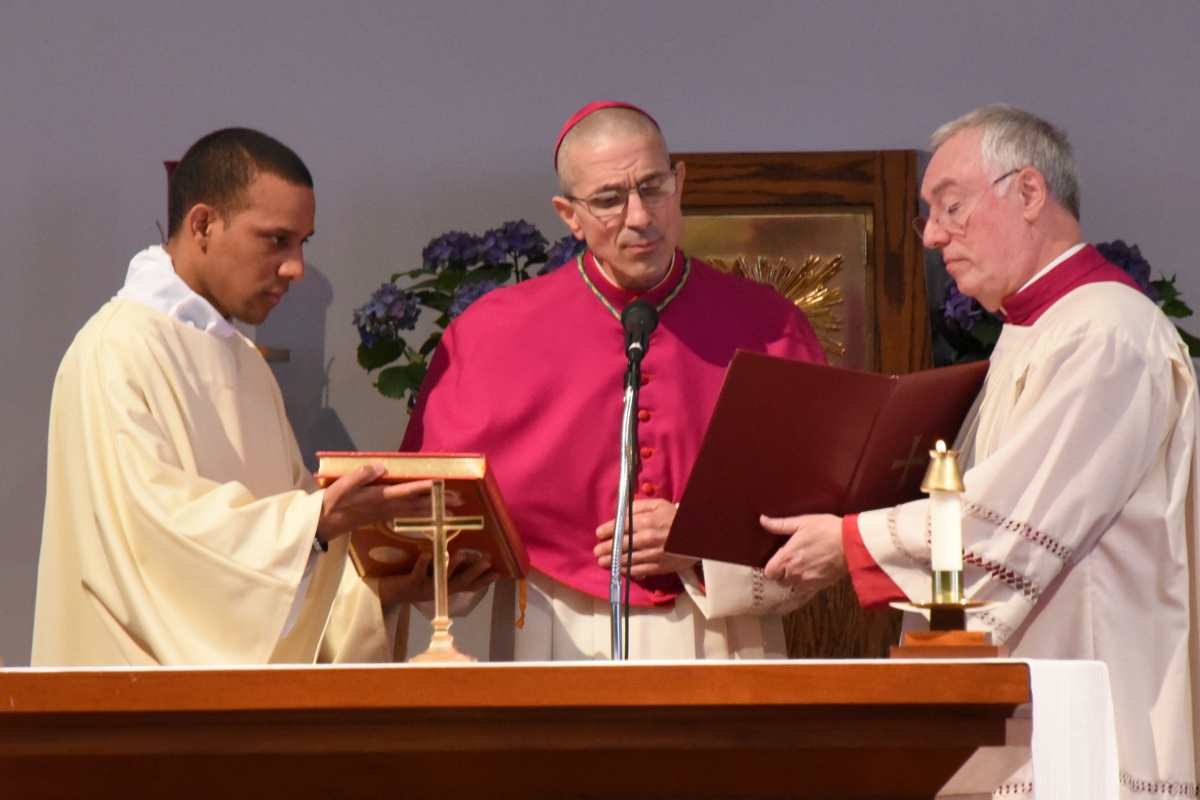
[{"x": 517, "y": 685}]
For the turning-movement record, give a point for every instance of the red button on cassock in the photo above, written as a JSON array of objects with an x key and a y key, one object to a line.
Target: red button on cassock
[
  {"x": 646, "y": 379},
  {"x": 649, "y": 488},
  {"x": 647, "y": 452},
  {"x": 645, "y": 415}
]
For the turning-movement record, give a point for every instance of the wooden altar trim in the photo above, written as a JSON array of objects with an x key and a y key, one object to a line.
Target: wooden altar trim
[
  {"x": 885, "y": 180},
  {"x": 708, "y": 730},
  {"x": 510, "y": 686}
]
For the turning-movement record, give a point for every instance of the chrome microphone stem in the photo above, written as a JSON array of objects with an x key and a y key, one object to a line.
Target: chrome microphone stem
[
  {"x": 639, "y": 320},
  {"x": 624, "y": 491}
]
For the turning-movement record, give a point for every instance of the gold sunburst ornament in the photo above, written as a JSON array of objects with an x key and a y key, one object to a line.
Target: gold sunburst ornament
[{"x": 806, "y": 286}]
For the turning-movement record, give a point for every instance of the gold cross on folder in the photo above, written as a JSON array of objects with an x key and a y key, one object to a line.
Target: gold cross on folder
[{"x": 913, "y": 460}]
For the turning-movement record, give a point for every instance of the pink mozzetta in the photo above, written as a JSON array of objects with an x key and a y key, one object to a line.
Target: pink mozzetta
[
  {"x": 531, "y": 375},
  {"x": 592, "y": 108},
  {"x": 1087, "y": 266}
]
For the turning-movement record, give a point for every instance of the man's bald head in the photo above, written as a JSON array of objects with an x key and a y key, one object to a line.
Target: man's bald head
[
  {"x": 599, "y": 127},
  {"x": 621, "y": 194}
]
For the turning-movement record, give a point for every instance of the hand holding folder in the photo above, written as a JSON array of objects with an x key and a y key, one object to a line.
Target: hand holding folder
[{"x": 790, "y": 438}]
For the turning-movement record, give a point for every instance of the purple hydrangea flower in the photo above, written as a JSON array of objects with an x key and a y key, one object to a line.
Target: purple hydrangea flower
[
  {"x": 960, "y": 308},
  {"x": 389, "y": 311},
  {"x": 1129, "y": 258},
  {"x": 467, "y": 294},
  {"x": 453, "y": 250},
  {"x": 561, "y": 252},
  {"x": 512, "y": 241}
]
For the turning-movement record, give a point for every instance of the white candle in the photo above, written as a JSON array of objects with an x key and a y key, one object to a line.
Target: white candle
[{"x": 945, "y": 514}]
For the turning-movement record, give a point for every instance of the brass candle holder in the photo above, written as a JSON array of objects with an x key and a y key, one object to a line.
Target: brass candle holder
[{"x": 947, "y": 635}]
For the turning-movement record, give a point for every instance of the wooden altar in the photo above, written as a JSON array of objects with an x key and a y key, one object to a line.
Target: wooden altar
[{"x": 704, "y": 730}]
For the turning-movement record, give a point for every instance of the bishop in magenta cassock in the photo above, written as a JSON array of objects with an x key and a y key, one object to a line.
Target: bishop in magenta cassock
[
  {"x": 1079, "y": 515},
  {"x": 531, "y": 375}
]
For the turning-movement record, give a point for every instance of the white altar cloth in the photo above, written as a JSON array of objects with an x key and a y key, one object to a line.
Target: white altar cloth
[{"x": 1068, "y": 729}]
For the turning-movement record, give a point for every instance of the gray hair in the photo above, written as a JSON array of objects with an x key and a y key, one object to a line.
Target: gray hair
[{"x": 1014, "y": 139}]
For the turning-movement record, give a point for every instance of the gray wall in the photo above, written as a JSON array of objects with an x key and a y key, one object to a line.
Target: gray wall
[{"x": 416, "y": 118}]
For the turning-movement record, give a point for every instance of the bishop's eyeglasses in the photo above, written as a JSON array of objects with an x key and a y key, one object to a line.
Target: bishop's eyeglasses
[
  {"x": 609, "y": 204},
  {"x": 953, "y": 218}
]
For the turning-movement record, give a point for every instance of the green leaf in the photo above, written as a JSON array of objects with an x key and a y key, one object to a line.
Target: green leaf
[
  {"x": 443, "y": 320},
  {"x": 413, "y": 356},
  {"x": 449, "y": 280},
  {"x": 1166, "y": 288},
  {"x": 986, "y": 331},
  {"x": 1192, "y": 342},
  {"x": 430, "y": 283},
  {"x": 431, "y": 343},
  {"x": 394, "y": 382},
  {"x": 499, "y": 274},
  {"x": 1176, "y": 308},
  {"x": 382, "y": 354},
  {"x": 436, "y": 300}
]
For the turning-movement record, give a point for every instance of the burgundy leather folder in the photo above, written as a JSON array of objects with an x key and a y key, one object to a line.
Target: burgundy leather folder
[{"x": 789, "y": 438}]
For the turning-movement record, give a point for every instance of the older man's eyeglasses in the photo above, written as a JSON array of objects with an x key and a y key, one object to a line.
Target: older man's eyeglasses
[
  {"x": 953, "y": 218},
  {"x": 611, "y": 203}
]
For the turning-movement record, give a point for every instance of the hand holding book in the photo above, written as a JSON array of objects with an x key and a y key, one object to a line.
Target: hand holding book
[
  {"x": 417, "y": 586},
  {"x": 355, "y": 500},
  {"x": 379, "y": 551}
]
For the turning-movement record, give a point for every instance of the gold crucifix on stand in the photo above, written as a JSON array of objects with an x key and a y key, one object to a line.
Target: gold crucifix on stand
[{"x": 439, "y": 529}]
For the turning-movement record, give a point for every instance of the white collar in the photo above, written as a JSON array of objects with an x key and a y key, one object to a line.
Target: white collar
[
  {"x": 151, "y": 281},
  {"x": 1070, "y": 252}
]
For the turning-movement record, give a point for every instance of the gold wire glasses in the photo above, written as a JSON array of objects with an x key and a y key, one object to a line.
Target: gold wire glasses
[{"x": 953, "y": 218}]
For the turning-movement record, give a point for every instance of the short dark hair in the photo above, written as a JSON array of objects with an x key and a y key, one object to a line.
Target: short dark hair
[{"x": 217, "y": 170}]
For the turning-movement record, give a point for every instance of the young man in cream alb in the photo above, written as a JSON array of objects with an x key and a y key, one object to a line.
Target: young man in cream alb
[{"x": 181, "y": 527}]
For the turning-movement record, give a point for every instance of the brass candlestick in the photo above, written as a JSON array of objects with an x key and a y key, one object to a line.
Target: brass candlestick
[
  {"x": 943, "y": 483},
  {"x": 947, "y": 608},
  {"x": 440, "y": 529}
]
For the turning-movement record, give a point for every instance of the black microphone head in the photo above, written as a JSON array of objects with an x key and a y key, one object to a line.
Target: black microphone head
[{"x": 639, "y": 318}]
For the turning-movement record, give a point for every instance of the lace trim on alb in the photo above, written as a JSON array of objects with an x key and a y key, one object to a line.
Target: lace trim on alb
[
  {"x": 1169, "y": 788},
  {"x": 1006, "y": 575},
  {"x": 893, "y": 515},
  {"x": 991, "y": 621},
  {"x": 1023, "y": 529}
]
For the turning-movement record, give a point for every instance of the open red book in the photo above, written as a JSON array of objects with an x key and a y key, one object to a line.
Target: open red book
[
  {"x": 377, "y": 551},
  {"x": 789, "y": 438}
]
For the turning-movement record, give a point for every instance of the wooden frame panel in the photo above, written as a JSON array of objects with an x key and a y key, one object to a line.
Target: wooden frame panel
[
  {"x": 887, "y": 181},
  {"x": 832, "y": 625}
]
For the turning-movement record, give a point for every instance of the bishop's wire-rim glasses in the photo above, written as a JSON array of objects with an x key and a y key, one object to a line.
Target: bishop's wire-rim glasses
[
  {"x": 608, "y": 204},
  {"x": 953, "y": 218}
]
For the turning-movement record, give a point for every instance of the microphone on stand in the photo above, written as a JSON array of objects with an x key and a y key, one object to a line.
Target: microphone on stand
[{"x": 639, "y": 319}]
